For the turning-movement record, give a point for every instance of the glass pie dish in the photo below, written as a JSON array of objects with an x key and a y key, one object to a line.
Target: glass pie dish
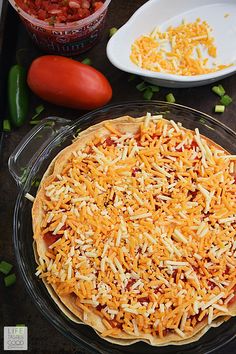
[{"x": 27, "y": 165}]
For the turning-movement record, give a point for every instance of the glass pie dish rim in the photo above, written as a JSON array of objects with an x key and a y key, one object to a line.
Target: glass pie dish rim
[{"x": 70, "y": 125}]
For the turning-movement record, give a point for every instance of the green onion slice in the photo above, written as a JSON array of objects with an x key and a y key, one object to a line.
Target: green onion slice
[
  {"x": 112, "y": 31},
  {"x": 226, "y": 100},
  {"x": 34, "y": 122},
  {"x": 219, "y": 90},
  {"x": 219, "y": 108},
  {"x": 142, "y": 86},
  {"x": 5, "y": 267},
  {"x": 148, "y": 93},
  {"x": 87, "y": 61},
  {"x": 39, "y": 109},
  {"x": 154, "y": 88},
  {"x": 131, "y": 77},
  {"x": 10, "y": 279},
  {"x": 170, "y": 98},
  {"x": 6, "y": 125}
]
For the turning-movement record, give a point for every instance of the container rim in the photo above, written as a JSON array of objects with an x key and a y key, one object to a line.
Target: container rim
[{"x": 68, "y": 26}]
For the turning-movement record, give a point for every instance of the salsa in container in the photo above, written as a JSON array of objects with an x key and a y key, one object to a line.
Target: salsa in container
[{"x": 67, "y": 27}]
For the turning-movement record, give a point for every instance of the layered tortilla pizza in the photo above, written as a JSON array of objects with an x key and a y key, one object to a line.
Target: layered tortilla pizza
[{"x": 134, "y": 225}]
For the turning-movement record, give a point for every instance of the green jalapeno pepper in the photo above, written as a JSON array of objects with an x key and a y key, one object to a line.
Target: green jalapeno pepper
[{"x": 18, "y": 100}]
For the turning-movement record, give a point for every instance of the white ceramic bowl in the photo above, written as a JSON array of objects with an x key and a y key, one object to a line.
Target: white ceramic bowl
[{"x": 164, "y": 13}]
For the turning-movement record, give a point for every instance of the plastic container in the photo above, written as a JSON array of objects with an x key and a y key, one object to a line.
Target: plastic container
[
  {"x": 29, "y": 162},
  {"x": 69, "y": 39},
  {"x": 164, "y": 14}
]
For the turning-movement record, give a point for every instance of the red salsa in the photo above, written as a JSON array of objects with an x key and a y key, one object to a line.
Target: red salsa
[
  {"x": 59, "y": 11},
  {"x": 49, "y": 238}
]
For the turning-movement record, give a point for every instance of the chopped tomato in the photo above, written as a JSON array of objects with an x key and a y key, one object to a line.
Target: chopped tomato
[
  {"x": 193, "y": 194},
  {"x": 167, "y": 331},
  {"x": 109, "y": 141},
  {"x": 134, "y": 171},
  {"x": 211, "y": 284},
  {"x": 49, "y": 238},
  {"x": 227, "y": 270},
  {"x": 232, "y": 300},
  {"x": 137, "y": 138},
  {"x": 100, "y": 307},
  {"x": 61, "y": 11},
  {"x": 188, "y": 147},
  {"x": 194, "y": 144},
  {"x": 155, "y": 135},
  {"x": 130, "y": 283},
  {"x": 158, "y": 290},
  {"x": 143, "y": 299},
  {"x": 97, "y": 5}
]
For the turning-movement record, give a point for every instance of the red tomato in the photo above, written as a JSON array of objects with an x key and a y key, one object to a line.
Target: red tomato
[{"x": 68, "y": 83}]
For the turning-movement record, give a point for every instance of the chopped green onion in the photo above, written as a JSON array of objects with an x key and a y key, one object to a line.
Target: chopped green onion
[
  {"x": 219, "y": 108},
  {"x": 5, "y": 267},
  {"x": 34, "y": 122},
  {"x": 226, "y": 100},
  {"x": 202, "y": 120},
  {"x": 25, "y": 173},
  {"x": 48, "y": 123},
  {"x": 6, "y": 125},
  {"x": 87, "y": 61},
  {"x": 219, "y": 90},
  {"x": 39, "y": 109},
  {"x": 132, "y": 77},
  {"x": 35, "y": 116},
  {"x": 10, "y": 279},
  {"x": 170, "y": 98},
  {"x": 148, "y": 93},
  {"x": 112, "y": 31},
  {"x": 142, "y": 86},
  {"x": 35, "y": 183},
  {"x": 154, "y": 88}
]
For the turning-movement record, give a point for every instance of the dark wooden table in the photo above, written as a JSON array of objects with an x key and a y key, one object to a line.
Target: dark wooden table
[{"x": 16, "y": 305}]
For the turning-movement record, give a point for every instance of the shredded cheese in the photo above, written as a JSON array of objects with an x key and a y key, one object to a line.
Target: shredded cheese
[
  {"x": 179, "y": 50},
  {"x": 142, "y": 229},
  {"x": 29, "y": 197}
]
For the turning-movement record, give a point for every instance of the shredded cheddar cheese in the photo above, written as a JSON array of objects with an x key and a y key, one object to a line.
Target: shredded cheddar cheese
[
  {"x": 141, "y": 229},
  {"x": 182, "y": 50}
]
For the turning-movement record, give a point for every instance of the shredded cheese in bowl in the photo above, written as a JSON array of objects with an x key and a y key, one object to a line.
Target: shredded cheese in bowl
[
  {"x": 182, "y": 50},
  {"x": 139, "y": 228}
]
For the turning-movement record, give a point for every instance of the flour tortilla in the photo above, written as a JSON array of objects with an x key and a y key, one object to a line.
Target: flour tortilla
[{"x": 67, "y": 303}]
